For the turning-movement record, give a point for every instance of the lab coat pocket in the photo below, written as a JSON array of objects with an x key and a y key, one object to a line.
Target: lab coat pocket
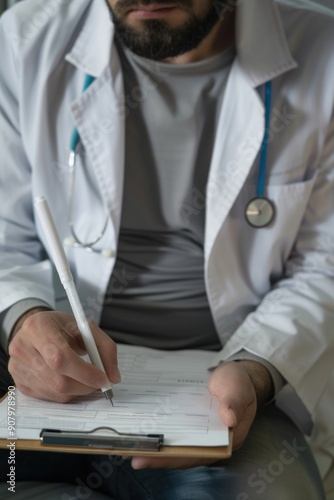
[
  {"x": 291, "y": 193},
  {"x": 290, "y": 201},
  {"x": 263, "y": 252}
]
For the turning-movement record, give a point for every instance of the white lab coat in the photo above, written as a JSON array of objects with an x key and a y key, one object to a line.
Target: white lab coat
[{"x": 271, "y": 291}]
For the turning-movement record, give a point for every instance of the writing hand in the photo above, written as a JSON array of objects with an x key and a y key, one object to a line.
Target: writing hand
[{"x": 45, "y": 360}]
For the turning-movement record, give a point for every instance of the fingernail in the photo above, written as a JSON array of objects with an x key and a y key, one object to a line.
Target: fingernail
[
  {"x": 116, "y": 374},
  {"x": 101, "y": 382}
]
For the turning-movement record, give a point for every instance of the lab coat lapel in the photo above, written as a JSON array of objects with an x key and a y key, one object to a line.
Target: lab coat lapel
[
  {"x": 238, "y": 140},
  {"x": 100, "y": 118},
  {"x": 99, "y": 113}
]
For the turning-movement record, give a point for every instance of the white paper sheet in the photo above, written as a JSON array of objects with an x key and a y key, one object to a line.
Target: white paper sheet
[{"x": 160, "y": 393}]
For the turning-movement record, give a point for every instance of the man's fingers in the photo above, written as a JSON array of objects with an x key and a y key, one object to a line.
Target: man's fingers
[
  {"x": 105, "y": 345},
  {"x": 40, "y": 393},
  {"x": 69, "y": 332},
  {"x": 61, "y": 357},
  {"x": 228, "y": 415},
  {"x": 31, "y": 386},
  {"x": 66, "y": 362},
  {"x": 108, "y": 352},
  {"x": 53, "y": 361},
  {"x": 48, "y": 383},
  {"x": 46, "y": 352},
  {"x": 232, "y": 387},
  {"x": 22, "y": 351}
]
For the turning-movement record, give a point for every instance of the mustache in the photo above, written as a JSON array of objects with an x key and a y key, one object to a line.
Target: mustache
[{"x": 123, "y": 6}]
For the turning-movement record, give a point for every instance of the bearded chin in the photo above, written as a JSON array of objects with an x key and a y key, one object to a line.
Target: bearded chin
[{"x": 156, "y": 40}]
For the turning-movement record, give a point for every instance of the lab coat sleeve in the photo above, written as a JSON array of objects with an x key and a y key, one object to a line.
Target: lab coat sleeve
[
  {"x": 293, "y": 326},
  {"x": 24, "y": 270},
  {"x": 10, "y": 317}
]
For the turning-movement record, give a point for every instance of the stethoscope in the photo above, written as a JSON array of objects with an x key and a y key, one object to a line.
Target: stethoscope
[
  {"x": 259, "y": 212},
  {"x": 74, "y": 240}
]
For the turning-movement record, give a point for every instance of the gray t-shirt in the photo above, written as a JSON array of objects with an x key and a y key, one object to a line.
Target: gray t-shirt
[{"x": 157, "y": 295}]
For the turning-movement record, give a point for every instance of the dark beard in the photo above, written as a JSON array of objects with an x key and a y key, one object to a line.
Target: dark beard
[{"x": 157, "y": 41}]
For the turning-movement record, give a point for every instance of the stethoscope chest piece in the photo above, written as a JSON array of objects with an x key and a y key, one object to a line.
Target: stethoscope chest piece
[{"x": 260, "y": 212}]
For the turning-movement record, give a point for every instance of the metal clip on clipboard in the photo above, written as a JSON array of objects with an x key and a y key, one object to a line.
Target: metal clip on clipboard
[{"x": 117, "y": 440}]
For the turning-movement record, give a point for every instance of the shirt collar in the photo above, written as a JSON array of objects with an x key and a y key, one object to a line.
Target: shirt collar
[{"x": 262, "y": 48}]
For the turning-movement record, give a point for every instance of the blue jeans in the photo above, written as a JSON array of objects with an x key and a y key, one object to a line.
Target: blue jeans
[{"x": 275, "y": 463}]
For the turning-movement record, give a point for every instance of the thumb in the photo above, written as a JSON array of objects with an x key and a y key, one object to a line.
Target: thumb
[{"x": 231, "y": 386}]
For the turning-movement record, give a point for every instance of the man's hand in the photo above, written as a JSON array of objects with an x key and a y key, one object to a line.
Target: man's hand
[
  {"x": 45, "y": 360},
  {"x": 241, "y": 388}
]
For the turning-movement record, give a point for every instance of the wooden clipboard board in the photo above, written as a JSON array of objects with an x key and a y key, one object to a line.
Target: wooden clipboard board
[
  {"x": 209, "y": 452},
  {"x": 214, "y": 452}
]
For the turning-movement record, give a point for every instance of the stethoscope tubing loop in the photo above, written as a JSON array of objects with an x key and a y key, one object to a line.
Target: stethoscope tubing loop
[{"x": 255, "y": 214}]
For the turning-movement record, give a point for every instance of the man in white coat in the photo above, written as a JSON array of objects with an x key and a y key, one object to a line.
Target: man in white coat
[{"x": 201, "y": 143}]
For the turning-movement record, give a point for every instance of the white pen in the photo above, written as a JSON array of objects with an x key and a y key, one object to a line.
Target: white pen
[{"x": 66, "y": 278}]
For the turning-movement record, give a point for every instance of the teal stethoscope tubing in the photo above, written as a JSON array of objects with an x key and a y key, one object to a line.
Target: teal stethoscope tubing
[
  {"x": 259, "y": 211},
  {"x": 75, "y": 240},
  {"x": 264, "y": 148},
  {"x": 75, "y": 139}
]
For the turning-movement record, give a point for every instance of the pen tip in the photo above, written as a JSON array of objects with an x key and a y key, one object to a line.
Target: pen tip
[{"x": 109, "y": 395}]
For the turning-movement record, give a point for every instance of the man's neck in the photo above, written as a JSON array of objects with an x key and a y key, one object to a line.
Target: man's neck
[{"x": 220, "y": 38}]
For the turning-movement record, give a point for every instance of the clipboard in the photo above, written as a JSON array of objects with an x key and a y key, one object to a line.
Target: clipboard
[
  {"x": 191, "y": 367},
  {"x": 210, "y": 452},
  {"x": 130, "y": 450}
]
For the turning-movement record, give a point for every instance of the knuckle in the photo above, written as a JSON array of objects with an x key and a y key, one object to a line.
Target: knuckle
[
  {"x": 12, "y": 368},
  {"x": 60, "y": 386},
  {"x": 15, "y": 348},
  {"x": 31, "y": 322},
  {"x": 37, "y": 364},
  {"x": 54, "y": 357}
]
